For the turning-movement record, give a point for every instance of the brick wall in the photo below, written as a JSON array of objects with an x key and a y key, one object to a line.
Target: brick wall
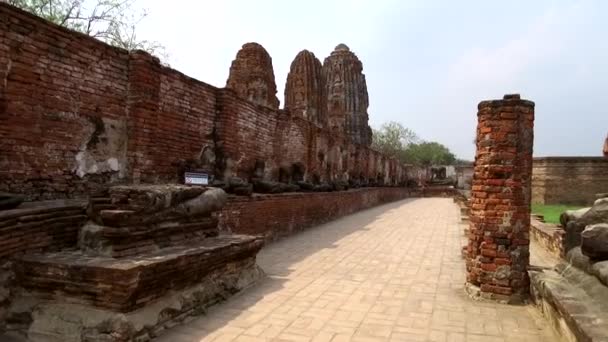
[
  {"x": 568, "y": 180},
  {"x": 62, "y": 108},
  {"x": 280, "y": 215},
  {"x": 171, "y": 120},
  {"x": 40, "y": 226},
  {"x": 35, "y": 227},
  {"x": 77, "y": 114}
]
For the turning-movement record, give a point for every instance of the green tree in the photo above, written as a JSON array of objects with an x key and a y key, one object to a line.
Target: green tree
[
  {"x": 428, "y": 153},
  {"x": 111, "y": 21},
  {"x": 392, "y": 139}
]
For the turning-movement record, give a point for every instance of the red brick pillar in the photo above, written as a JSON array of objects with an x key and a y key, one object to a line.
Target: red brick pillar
[{"x": 498, "y": 249}]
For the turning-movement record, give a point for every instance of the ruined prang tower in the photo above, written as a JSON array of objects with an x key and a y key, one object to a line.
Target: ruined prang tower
[
  {"x": 252, "y": 76},
  {"x": 304, "y": 88},
  {"x": 346, "y": 92}
]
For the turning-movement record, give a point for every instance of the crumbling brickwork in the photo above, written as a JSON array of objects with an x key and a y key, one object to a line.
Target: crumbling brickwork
[
  {"x": 252, "y": 76},
  {"x": 304, "y": 90},
  {"x": 498, "y": 249},
  {"x": 78, "y": 115},
  {"x": 63, "y": 108},
  {"x": 346, "y": 91}
]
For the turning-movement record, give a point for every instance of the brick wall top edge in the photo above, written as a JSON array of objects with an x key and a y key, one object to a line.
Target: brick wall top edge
[
  {"x": 570, "y": 159},
  {"x": 505, "y": 102},
  {"x": 21, "y": 14},
  {"x": 16, "y": 12},
  {"x": 188, "y": 79},
  {"x": 257, "y": 197}
]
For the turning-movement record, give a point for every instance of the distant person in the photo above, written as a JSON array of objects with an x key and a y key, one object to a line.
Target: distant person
[{"x": 606, "y": 147}]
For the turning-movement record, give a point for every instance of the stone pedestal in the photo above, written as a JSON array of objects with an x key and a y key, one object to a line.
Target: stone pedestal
[
  {"x": 149, "y": 257},
  {"x": 498, "y": 248}
]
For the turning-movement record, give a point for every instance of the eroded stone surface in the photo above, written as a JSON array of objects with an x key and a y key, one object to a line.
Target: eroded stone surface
[
  {"x": 304, "y": 90},
  {"x": 573, "y": 301},
  {"x": 69, "y": 322},
  {"x": 598, "y": 213},
  {"x": 144, "y": 218},
  {"x": 594, "y": 241},
  {"x": 144, "y": 245},
  {"x": 252, "y": 76},
  {"x": 129, "y": 283},
  {"x": 599, "y": 269},
  {"x": 571, "y": 215},
  {"x": 346, "y": 91}
]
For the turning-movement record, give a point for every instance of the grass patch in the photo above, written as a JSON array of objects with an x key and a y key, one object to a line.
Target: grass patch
[{"x": 551, "y": 212}]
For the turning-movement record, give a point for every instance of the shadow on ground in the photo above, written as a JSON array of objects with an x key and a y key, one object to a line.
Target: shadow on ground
[{"x": 277, "y": 260}]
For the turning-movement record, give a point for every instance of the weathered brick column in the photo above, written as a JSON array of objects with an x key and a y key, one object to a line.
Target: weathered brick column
[{"x": 498, "y": 249}]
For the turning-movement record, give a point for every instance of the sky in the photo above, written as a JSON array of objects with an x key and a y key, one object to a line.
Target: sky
[{"x": 427, "y": 63}]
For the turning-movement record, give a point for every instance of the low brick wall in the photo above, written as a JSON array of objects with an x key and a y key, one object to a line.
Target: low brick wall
[
  {"x": 279, "y": 215},
  {"x": 548, "y": 236},
  {"x": 568, "y": 180}
]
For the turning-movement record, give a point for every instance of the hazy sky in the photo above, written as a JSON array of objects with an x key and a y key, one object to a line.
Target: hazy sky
[{"x": 427, "y": 63}]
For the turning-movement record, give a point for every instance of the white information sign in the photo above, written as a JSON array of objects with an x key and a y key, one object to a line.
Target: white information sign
[{"x": 196, "y": 178}]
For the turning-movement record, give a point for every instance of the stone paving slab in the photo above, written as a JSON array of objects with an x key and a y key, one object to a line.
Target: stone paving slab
[{"x": 391, "y": 273}]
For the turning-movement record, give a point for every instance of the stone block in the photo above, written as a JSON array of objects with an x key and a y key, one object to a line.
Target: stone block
[{"x": 126, "y": 284}]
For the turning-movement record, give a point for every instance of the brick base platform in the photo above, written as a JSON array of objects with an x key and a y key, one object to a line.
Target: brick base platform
[
  {"x": 148, "y": 256},
  {"x": 60, "y": 320},
  {"x": 127, "y": 284}
]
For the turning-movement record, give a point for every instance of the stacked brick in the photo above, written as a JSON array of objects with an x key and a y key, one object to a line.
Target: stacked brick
[
  {"x": 498, "y": 248},
  {"x": 78, "y": 115},
  {"x": 126, "y": 284},
  {"x": 346, "y": 95},
  {"x": 34, "y": 227},
  {"x": 304, "y": 89},
  {"x": 40, "y": 226},
  {"x": 141, "y": 243},
  {"x": 252, "y": 76},
  {"x": 133, "y": 220}
]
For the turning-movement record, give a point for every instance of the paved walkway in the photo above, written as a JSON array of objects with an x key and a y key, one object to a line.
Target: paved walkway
[{"x": 392, "y": 273}]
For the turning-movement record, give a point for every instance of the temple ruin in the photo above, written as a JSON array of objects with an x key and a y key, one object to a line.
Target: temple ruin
[
  {"x": 252, "y": 76},
  {"x": 304, "y": 90},
  {"x": 346, "y": 92},
  {"x": 98, "y": 142},
  {"x": 134, "y": 197}
]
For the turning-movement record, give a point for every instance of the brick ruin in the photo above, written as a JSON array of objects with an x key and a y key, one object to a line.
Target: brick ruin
[
  {"x": 305, "y": 88},
  {"x": 78, "y": 114},
  {"x": 498, "y": 249},
  {"x": 95, "y": 138},
  {"x": 346, "y": 92},
  {"x": 252, "y": 76}
]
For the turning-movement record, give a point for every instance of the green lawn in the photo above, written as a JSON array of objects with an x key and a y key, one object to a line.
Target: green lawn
[{"x": 551, "y": 212}]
